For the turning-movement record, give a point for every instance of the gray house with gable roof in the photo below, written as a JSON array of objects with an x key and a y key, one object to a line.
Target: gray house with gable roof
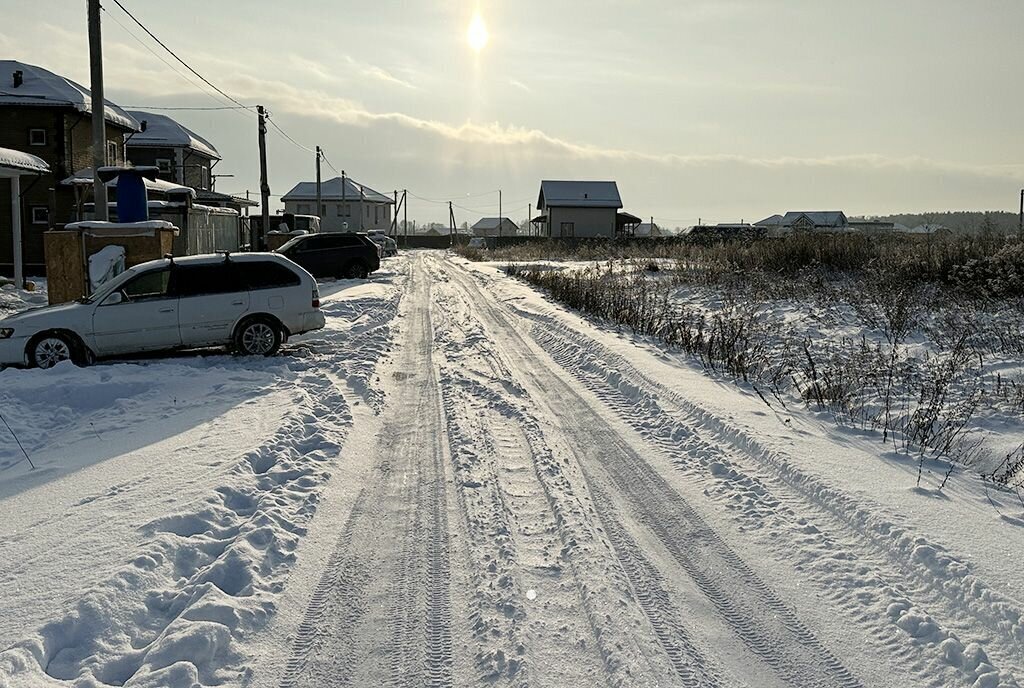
[{"x": 578, "y": 209}]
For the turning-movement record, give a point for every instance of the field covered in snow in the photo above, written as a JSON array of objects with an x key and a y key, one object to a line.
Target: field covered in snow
[{"x": 462, "y": 482}]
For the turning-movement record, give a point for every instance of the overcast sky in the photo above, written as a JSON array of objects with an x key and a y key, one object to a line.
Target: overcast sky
[{"x": 722, "y": 110}]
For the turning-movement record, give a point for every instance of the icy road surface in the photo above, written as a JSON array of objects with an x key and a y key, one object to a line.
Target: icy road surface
[{"x": 458, "y": 483}]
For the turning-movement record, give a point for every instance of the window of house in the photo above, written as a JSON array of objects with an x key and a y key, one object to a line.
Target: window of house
[
  {"x": 302, "y": 209},
  {"x": 367, "y": 212},
  {"x": 111, "y": 153},
  {"x": 569, "y": 229},
  {"x": 164, "y": 165},
  {"x": 204, "y": 177},
  {"x": 40, "y": 215},
  {"x": 37, "y": 137},
  {"x": 376, "y": 214}
]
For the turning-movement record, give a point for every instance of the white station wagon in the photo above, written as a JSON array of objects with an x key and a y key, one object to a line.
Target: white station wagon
[{"x": 250, "y": 302}]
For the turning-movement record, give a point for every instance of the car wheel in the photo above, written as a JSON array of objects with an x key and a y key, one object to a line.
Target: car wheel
[
  {"x": 357, "y": 270},
  {"x": 52, "y": 348},
  {"x": 258, "y": 337}
]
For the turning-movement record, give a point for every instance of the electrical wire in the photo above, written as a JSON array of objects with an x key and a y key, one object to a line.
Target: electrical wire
[
  {"x": 285, "y": 134},
  {"x": 175, "y": 56},
  {"x": 161, "y": 107}
]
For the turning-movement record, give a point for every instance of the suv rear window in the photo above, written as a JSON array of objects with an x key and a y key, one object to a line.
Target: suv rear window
[
  {"x": 266, "y": 275},
  {"x": 198, "y": 280}
]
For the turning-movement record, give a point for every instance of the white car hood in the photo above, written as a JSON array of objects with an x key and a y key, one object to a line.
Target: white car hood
[{"x": 72, "y": 316}]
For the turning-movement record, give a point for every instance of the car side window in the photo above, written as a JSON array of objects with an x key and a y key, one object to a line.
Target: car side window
[
  {"x": 148, "y": 286},
  {"x": 203, "y": 280},
  {"x": 266, "y": 275}
]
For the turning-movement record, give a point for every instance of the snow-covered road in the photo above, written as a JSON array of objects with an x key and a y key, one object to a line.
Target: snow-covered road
[{"x": 459, "y": 483}]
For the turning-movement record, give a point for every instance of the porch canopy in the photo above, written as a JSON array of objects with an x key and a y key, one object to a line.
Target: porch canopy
[
  {"x": 626, "y": 223},
  {"x": 14, "y": 165}
]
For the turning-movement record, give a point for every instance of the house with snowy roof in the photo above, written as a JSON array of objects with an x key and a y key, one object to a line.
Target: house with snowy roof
[
  {"x": 49, "y": 116},
  {"x": 494, "y": 226},
  {"x": 182, "y": 156},
  {"x": 347, "y": 205},
  {"x": 579, "y": 209}
]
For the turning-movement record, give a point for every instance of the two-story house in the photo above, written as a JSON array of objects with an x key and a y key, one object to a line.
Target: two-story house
[
  {"x": 183, "y": 156},
  {"x": 49, "y": 116},
  {"x": 347, "y": 205}
]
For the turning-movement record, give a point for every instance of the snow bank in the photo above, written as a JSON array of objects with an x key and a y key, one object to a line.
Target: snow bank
[{"x": 160, "y": 548}]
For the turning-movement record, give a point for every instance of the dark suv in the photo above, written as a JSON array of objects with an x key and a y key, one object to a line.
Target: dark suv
[{"x": 334, "y": 255}]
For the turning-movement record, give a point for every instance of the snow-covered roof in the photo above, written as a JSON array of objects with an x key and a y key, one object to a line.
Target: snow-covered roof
[
  {"x": 563, "y": 194},
  {"x": 331, "y": 190},
  {"x": 84, "y": 178},
  {"x": 820, "y": 218},
  {"x": 43, "y": 88},
  {"x": 164, "y": 132},
  {"x": 145, "y": 225},
  {"x": 492, "y": 222},
  {"x": 22, "y": 162}
]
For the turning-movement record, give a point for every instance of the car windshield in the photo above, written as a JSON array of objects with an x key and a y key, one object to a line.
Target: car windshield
[
  {"x": 106, "y": 289},
  {"x": 290, "y": 243}
]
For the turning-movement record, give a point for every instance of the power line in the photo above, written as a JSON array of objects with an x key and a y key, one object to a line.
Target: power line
[
  {"x": 285, "y": 134},
  {"x": 175, "y": 56},
  {"x": 161, "y": 107},
  {"x": 324, "y": 157}
]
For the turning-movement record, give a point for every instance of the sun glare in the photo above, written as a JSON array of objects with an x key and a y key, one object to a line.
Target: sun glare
[{"x": 477, "y": 33}]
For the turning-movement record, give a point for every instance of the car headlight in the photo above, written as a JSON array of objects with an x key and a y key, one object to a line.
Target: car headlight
[{"x": 6, "y": 332}]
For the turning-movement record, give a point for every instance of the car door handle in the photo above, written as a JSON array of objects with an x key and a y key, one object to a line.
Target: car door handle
[
  {"x": 166, "y": 310},
  {"x": 238, "y": 303}
]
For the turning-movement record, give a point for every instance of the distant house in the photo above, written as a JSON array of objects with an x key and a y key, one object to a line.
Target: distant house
[
  {"x": 823, "y": 221},
  {"x": 50, "y": 117},
  {"x": 872, "y": 226},
  {"x": 182, "y": 156},
  {"x": 347, "y": 205},
  {"x": 647, "y": 229},
  {"x": 931, "y": 230},
  {"x": 578, "y": 209},
  {"x": 493, "y": 226}
]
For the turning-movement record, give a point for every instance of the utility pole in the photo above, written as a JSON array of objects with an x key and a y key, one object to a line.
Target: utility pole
[
  {"x": 319, "y": 202},
  {"x": 394, "y": 222},
  {"x": 1020, "y": 221},
  {"x": 529, "y": 219},
  {"x": 405, "y": 216},
  {"x": 264, "y": 184},
  {"x": 451, "y": 224},
  {"x": 99, "y": 112},
  {"x": 501, "y": 218}
]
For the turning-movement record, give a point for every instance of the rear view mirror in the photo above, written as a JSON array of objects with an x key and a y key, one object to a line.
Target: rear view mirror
[{"x": 114, "y": 299}]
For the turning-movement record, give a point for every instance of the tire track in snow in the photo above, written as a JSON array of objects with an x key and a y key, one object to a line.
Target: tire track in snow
[
  {"x": 381, "y": 613},
  {"x": 692, "y": 666},
  {"x": 758, "y": 616},
  {"x": 878, "y": 572}
]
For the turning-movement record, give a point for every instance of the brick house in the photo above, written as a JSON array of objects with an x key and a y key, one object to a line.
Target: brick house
[{"x": 48, "y": 116}]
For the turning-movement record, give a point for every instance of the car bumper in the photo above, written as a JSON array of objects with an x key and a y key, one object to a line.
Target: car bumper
[
  {"x": 12, "y": 351},
  {"x": 313, "y": 321}
]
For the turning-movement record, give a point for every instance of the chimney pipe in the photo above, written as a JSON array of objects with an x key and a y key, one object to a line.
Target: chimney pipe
[{"x": 19, "y": 78}]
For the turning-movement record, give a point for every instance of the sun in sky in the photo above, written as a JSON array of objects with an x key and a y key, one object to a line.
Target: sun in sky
[{"x": 477, "y": 33}]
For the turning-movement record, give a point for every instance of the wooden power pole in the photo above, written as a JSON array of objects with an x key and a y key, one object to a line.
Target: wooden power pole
[
  {"x": 451, "y": 224},
  {"x": 264, "y": 184},
  {"x": 405, "y": 216},
  {"x": 319, "y": 202},
  {"x": 99, "y": 114},
  {"x": 1020, "y": 220}
]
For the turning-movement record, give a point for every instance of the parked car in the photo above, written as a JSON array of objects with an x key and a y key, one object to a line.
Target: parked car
[
  {"x": 388, "y": 246},
  {"x": 477, "y": 243},
  {"x": 250, "y": 302},
  {"x": 348, "y": 255}
]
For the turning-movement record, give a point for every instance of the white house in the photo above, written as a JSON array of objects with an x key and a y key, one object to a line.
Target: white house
[
  {"x": 578, "y": 209},
  {"x": 493, "y": 226},
  {"x": 347, "y": 205}
]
